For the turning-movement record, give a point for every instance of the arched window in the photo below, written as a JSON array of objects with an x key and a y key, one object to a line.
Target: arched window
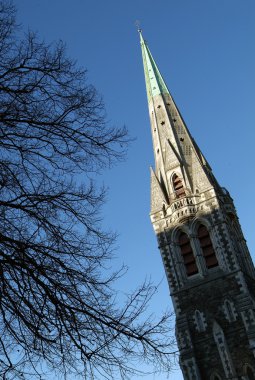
[
  {"x": 187, "y": 254},
  {"x": 207, "y": 247},
  {"x": 178, "y": 186}
]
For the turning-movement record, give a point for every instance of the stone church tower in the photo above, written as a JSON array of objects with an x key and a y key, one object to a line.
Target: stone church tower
[{"x": 207, "y": 263}]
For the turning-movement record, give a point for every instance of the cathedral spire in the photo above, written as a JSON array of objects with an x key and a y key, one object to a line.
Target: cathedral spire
[
  {"x": 207, "y": 263},
  {"x": 176, "y": 153}
]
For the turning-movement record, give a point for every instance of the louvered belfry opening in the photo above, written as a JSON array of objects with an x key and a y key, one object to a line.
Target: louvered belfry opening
[
  {"x": 207, "y": 247},
  {"x": 187, "y": 254},
  {"x": 178, "y": 186}
]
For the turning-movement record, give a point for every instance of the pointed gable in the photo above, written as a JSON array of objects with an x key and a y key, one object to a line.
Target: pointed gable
[{"x": 172, "y": 159}]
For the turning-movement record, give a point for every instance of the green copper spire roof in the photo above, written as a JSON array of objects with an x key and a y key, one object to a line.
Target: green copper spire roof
[{"x": 155, "y": 84}]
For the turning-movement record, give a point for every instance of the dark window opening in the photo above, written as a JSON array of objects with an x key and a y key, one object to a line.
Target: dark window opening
[
  {"x": 178, "y": 186},
  {"x": 187, "y": 254},
  {"x": 207, "y": 247}
]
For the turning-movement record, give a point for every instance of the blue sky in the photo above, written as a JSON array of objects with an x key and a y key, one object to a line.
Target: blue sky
[{"x": 206, "y": 53}]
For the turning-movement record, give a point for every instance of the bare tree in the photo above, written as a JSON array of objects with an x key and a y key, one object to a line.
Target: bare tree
[{"x": 57, "y": 301}]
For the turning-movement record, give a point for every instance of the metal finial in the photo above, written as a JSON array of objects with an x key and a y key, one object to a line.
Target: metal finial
[{"x": 138, "y": 25}]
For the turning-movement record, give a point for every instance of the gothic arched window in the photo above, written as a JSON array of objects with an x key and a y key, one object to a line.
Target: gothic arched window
[
  {"x": 178, "y": 186},
  {"x": 207, "y": 247},
  {"x": 187, "y": 254}
]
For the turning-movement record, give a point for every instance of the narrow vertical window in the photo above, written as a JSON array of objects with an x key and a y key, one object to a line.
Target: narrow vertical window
[
  {"x": 178, "y": 186},
  {"x": 187, "y": 254},
  {"x": 207, "y": 247}
]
